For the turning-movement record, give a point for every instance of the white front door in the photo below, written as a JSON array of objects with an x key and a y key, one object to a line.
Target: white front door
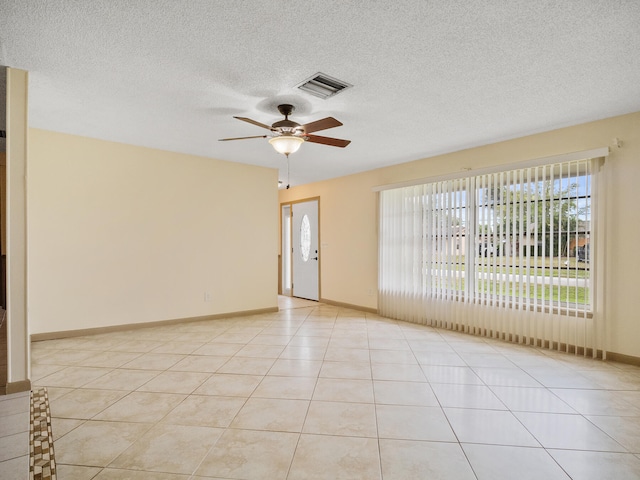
[{"x": 304, "y": 248}]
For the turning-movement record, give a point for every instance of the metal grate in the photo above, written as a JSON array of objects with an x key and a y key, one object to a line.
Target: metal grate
[{"x": 323, "y": 86}]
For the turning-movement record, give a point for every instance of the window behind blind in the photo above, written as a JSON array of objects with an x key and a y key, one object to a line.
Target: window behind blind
[{"x": 508, "y": 254}]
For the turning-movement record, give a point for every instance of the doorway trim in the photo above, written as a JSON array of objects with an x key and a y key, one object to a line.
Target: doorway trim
[{"x": 283, "y": 254}]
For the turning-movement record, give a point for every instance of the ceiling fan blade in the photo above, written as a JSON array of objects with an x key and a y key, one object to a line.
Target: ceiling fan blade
[
  {"x": 334, "y": 142},
  {"x": 254, "y": 122},
  {"x": 323, "y": 124},
  {"x": 242, "y": 138}
]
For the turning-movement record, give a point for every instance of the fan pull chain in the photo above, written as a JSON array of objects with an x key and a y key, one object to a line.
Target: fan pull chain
[{"x": 288, "y": 173}]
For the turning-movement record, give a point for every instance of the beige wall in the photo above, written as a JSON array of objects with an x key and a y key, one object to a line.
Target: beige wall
[
  {"x": 348, "y": 222},
  {"x": 120, "y": 234}
]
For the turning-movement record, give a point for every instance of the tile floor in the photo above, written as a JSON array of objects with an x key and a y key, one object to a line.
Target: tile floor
[
  {"x": 15, "y": 422},
  {"x": 317, "y": 391}
]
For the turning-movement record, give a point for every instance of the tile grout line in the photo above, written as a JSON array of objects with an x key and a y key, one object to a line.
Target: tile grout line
[{"x": 293, "y": 455}]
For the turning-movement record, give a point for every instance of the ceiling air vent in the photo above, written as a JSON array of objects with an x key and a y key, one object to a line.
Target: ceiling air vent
[{"x": 323, "y": 86}]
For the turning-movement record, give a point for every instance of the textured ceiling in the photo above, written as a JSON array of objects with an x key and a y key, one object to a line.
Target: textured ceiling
[{"x": 429, "y": 76}]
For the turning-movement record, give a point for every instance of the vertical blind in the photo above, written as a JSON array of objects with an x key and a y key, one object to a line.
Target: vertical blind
[{"x": 508, "y": 254}]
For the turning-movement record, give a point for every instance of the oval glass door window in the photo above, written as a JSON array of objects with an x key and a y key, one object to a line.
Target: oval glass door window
[{"x": 305, "y": 238}]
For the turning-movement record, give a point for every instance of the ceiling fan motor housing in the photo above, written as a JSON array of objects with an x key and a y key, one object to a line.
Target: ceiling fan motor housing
[{"x": 286, "y": 126}]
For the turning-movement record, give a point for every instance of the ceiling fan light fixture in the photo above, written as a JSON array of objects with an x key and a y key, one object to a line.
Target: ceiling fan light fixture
[{"x": 286, "y": 144}]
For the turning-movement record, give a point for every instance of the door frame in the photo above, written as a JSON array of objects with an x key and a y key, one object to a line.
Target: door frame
[{"x": 282, "y": 253}]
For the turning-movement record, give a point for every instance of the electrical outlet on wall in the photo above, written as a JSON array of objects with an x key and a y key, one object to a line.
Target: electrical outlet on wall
[{"x": 207, "y": 296}]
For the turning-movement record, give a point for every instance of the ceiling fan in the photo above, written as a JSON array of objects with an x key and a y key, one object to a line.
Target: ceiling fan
[{"x": 287, "y": 135}]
